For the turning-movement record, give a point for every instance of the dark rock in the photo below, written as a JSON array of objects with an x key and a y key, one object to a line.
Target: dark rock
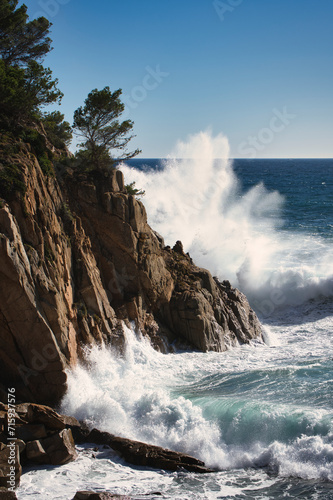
[
  {"x": 178, "y": 247},
  {"x": 148, "y": 455},
  {"x": 90, "y": 495},
  {"x": 30, "y": 432},
  {"x": 7, "y": 495}
]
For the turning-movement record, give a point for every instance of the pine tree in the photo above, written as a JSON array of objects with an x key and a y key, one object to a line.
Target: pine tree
[{"x": 97, "y": 122}]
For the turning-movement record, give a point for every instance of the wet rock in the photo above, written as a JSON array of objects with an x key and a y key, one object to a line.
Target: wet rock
[
  {"x": 147, "y": 455},
  {"x": 90, "y": 495}
]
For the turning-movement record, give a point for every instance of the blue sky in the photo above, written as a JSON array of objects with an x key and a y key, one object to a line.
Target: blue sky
[{"x": 259, "y": 71}]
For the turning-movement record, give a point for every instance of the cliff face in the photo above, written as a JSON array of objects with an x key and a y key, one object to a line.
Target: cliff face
[{"x": 76, "y": 257}]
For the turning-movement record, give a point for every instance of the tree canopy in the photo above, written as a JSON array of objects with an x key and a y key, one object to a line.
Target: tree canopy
[
  {"x": 25, "y": 85},
  {"x": 22, "y": 41},
  {"x": 97, "y": 122}
]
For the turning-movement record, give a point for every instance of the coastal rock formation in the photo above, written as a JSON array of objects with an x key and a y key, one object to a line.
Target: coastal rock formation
[{"x": 77, "y": 257}]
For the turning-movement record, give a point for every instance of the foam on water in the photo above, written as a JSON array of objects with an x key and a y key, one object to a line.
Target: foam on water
[
  {"x": 208, "y": 408},
  {"x": 253, "y": 406},
  {"x": 238, "y": 236}
]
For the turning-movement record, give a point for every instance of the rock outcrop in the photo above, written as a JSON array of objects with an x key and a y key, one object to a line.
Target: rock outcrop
[
  {"x": 77, "y": 257},
  {"x": 39, "y": 435}
]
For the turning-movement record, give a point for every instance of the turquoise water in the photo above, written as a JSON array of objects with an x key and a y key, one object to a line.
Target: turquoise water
[{"x": 261, "y": 414}]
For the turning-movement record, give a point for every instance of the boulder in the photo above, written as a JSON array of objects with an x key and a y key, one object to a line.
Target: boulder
[{"x": 57, "y": 449}]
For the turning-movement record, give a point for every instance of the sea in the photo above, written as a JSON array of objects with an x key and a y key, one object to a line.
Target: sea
[{"x": 260, "y": 414}]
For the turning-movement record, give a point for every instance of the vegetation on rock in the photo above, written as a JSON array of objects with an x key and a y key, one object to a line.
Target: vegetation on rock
[{"x": 97, "y": 122}]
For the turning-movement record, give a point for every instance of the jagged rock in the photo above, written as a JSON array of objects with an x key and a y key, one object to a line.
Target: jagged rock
[
  {"x": 148, "y": 455},
  {"x": 91, "y": 495},
  {"x": 57, "y": 449},
  {"x": 208, "y": 314}
]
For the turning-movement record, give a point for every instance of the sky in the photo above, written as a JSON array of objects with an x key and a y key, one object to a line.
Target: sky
[{"x": 258, "y": 71}]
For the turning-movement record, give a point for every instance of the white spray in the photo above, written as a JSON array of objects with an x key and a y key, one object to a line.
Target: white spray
[{"x": 198, "y": 200}]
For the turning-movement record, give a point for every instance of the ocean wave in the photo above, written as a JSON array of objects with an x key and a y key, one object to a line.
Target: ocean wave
[
  {"x": 127, "y": 395},
  {"x": 239, "y": 236}
]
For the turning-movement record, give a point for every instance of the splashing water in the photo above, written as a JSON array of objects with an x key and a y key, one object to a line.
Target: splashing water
[
  {"x": 237, "y": 236},
  {"x": 201, "y": 411}
]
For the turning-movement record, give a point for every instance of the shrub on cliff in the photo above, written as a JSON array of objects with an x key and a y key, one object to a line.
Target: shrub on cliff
[{"x": 97, "y": 122}]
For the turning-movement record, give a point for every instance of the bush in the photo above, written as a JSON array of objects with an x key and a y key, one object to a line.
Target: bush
[
  {"x": 11, "y": 181},
  {"x": 131, "y": 189},
  {"x": 46, "y": 165}
]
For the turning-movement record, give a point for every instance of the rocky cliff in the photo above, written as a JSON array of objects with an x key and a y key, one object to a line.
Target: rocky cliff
[{"x": 77, "y": 257}]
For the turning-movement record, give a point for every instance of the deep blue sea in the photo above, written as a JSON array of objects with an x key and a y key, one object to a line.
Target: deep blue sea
[{"x": 262, "y": 414}]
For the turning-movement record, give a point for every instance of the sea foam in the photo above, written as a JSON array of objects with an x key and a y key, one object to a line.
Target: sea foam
[
  {"x": 236, "y": 235},
  {"x": 195, "y": 412}
]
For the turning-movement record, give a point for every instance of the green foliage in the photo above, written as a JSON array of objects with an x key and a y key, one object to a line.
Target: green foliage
[
  {"x": 25, "y": 85},
  {"x": 23, "y": 91},
  {"x": 46, "y": 165},
  {"x": 22, "y": 41},
  {"x": 81, "y": 309},
  {"x": 35, "y": 139},
  {"x": 131, "y": 189},
  {"x": 58, "y": 131},
  {"x": 38, "y": 146},
  {"x": 11, "y": 181},
  {"x": 66, "y": 213},
  {"x": 97, "y": 122}
]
